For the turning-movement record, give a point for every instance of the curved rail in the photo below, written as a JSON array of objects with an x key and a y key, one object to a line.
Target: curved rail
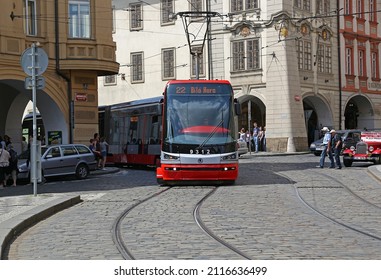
[
  {"x": 200, "y": 223},
  {"x": 317, "y": 211},
  {"x": 116, "y": 233}
]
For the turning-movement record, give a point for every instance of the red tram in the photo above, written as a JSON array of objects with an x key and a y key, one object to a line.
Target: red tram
[
  {"x": 132, "y": 130},
  {"x": 199, "y": 136}
]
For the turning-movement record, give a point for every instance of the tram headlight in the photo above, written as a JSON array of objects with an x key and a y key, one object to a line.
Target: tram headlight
[
  {"x": 229, "y": 157},
  {"x": 170, "y": 157}
]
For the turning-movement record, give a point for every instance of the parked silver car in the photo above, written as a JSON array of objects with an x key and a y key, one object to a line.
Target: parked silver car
[{"x": 57, "y": 160}]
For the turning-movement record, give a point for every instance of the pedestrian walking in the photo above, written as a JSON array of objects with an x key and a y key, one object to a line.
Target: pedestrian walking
[
  {"x": 327, "y": 149},
  {"x": 337, "y": 145},
  {"x": 104, "y": 147},
  {"x": 255, "y": 136}
]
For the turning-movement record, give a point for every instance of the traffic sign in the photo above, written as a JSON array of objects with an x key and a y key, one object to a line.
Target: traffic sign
[
  {"x": 41, "y": 61},
  {"x": 40, "y": 83}
]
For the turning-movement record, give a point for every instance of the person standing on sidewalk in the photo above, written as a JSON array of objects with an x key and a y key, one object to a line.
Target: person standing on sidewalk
[
  {"x": 327, "y": 149},
  {"x": 337, "y": 145},
  {"x": 4, "y": 163}
]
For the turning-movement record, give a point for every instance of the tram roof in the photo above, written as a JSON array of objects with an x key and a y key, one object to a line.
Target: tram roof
[{"x": 134, "y": 103}]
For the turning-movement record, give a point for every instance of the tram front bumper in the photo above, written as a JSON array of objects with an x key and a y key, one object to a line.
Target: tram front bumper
[{"x": 189, "y": 172}]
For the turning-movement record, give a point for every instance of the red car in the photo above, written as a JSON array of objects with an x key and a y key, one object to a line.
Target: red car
[{"x": 367, "y": 149}]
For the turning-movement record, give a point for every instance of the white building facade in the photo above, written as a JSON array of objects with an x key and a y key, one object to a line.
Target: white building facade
[{"x": 281, "y": 57}]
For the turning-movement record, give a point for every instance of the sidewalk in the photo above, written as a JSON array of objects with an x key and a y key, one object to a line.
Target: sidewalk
[{"x": 20, "y": 210}]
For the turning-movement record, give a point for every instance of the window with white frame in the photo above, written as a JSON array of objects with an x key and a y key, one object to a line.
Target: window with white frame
[
  {"x": 168, "y": 63},
  {"x": 241, "y": 5},
  {"x": 304, "y": 52},
  {"x": 136, "y": 16},
  {"x": 195, "y": 5},
  {"x": 303, "y": 4},
  {"x": 323, "y": 7},
  {"x": 30, "y": 20},
  {"x": 360, "y": 8},
  {"x": 347, "y": 7},
  {"x": 198, "y": 65},
  {"x": 167, "y": 9},
  {"x": 109, "y": 80},
  {"x": 79, "y": 19},
  {"x": 137, "y": 68},
  {"x": 246, "y": 55},
  {"x": 328, "y": 59},
  {"x": 374, "y": 65},
  {"x": 361, "y": 63},
  {"x": 372, "y": 10},
  {"x": 348, "y": 61}
]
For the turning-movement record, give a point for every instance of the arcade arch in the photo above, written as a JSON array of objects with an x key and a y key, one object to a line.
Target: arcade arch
[
  {"x": 359, "y": 113},
  {"x": 14, "y": 99},
  {"x": 317, "y": 114},
  {"x": 257, "y": 110}
]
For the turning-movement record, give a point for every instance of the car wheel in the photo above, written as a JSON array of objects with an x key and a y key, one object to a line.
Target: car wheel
[
  {"x": 82, "y": 171},
  {"x": 348, "y": 162},
  {"x": 317, "y": 154}
]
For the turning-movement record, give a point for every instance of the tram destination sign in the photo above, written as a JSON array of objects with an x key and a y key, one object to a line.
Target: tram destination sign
[{"x": 202, "y": 88}]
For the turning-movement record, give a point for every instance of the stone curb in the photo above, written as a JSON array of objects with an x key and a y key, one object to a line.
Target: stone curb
[{"x": 14, "y": 226}]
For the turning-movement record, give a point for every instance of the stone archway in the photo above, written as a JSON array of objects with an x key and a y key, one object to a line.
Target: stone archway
[
  {"x": 359, "y": 113},
  {"x": 16, "y": 98},
  {"x": 317, "y": 115},
  {"x": 257, "y": 110}
]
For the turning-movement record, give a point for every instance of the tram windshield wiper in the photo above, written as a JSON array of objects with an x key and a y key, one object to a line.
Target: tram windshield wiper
[{"x": 210, "y": 134}]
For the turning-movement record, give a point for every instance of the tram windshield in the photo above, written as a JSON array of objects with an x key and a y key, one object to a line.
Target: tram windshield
[{"x": 199, "y": 120}]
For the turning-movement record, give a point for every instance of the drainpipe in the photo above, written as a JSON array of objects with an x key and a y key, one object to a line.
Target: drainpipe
[
  {"x": 61, "y": 74},
  {"x": 339, "y": 61}
]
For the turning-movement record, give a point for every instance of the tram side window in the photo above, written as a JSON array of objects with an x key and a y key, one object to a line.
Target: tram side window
[
  {"x": 154, "y": 134},
  {"x": 133, "y": 131}
]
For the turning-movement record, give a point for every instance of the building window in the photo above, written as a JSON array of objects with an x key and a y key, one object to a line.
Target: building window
[
  {"x": 252, "y": 4},
  {"x": 167, "y": 9},
  {"x": 372, "y": 11},
  {"x": 30, "y": 20},
  {"x": 323, "y": 7},
  {"x": 241, "y": 5},
  {"x": 307, "y": 56},
  {"x": 79, "y": 19},
  {"x": 168, "y": 64},
  {"x": 348, "y": 61},
  {"x": 195, "y": 5},
  {"x": 246, "y": 55},
  {"x": 304, "y": 55},
  {"x": 200, "y": 65},
  {"x": 137, "y": 68},
  {"x": 136, "y": 16},
  {"x": 374, "y": 66},
  {"x": 110, "y": 80},
  {"x": 328, "y": 59},
  {"x": 360, "y": 8},
  {"x": 361, "y": 63},
  {"x": 303, "y": 4},
  {"x": 348, "y": 7},
  {"x": 113, "y": 20}
]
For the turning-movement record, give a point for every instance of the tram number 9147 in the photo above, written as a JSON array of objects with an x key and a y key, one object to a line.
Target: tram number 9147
[{"x": 199, "y": 152}]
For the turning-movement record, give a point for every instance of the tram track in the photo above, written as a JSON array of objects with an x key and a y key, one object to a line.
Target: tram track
[
  {"x": 116, "y": 229},
  {"x": 353, "y": 227},
  {"x": 126, "y": 252},
  {"x": 207, "y": 231}
]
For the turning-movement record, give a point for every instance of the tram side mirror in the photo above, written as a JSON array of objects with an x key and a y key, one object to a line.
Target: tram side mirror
[{"x": 237, "y": 107}]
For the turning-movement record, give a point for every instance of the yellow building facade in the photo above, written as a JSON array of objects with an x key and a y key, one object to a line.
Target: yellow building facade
[{"x": 77, "y": 38}]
